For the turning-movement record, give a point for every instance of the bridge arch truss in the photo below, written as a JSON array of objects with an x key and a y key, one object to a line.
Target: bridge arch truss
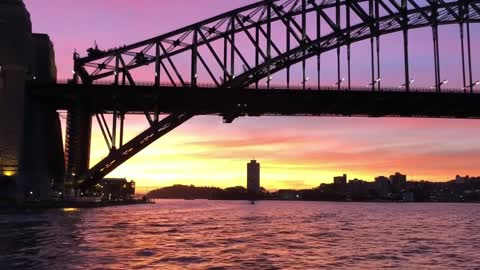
[{"x": 246, "y": 46}]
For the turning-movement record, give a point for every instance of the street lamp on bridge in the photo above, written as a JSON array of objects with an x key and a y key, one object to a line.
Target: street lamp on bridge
[
  {"x": 304, "y": 82},
  {"x": 439, "y": 85},
  {"x": 411, "y": 81},
  {"x": 339, "y": 83},
  {"x": 472, "y": 85},
  {"x": 377, "y": 81},
  {"x": 269, "y": 79}
]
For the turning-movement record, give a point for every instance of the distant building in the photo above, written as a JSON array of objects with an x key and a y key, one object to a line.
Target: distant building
[
  {"x": 399, "y": 182},
  {"x": 383, "y": 186},
  {"x": 461, "y": 180},
  {"x": 288, "y": 194},
  {"x": 356, "y": 181},
  {"x": 117, "y": 189},
  {"x": 253, "y": 177},
  {"x": 408, "y": 197},
  {"x": 340, "y": 180},
  {"x": 358, "y": 189}
]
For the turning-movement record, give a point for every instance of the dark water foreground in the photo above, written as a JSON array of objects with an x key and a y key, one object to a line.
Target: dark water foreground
[
  {"x": 31, "y": 207},
  {"x": 237, "y": 235}
]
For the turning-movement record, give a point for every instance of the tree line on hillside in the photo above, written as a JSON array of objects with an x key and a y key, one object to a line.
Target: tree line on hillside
[{"x": 210, "y": 193}]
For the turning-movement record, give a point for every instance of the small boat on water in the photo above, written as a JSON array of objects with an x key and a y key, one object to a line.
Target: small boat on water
[{"x": 252, "y": 202}]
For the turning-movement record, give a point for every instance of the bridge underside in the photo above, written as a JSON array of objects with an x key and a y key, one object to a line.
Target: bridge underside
[
  {"x": 232, "y": 103},
  {"x": 181, "y": 104}
]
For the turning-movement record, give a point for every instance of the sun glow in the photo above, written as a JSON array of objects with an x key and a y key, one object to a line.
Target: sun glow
[{"x": 205, "y": 152}]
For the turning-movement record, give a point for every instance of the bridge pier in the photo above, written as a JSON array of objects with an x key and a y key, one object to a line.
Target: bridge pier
[
  {"x": 31, "y": 148},
  {"x": 77, "y": 144},
  {"x": 15, "y": 33},
  {"x": 42, "y": 166}
]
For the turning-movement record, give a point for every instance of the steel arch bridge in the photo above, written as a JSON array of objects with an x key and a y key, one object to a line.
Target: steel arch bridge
[{"x": 245, "y": 47}]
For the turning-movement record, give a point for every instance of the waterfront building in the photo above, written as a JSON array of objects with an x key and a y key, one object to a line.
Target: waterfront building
[
  {"x": 383, "y": 186},
  {"x": 399, "y": 182},
  {"x": 461, "y": 180},
  {"x": 358, "y": 188},
  {"x": 408, "y": 197},
  {"x": 288, "y": 194},
  {"x": 253, "y": 177},
  {"x": 340, "y": 180},
  {"x": 117, "y": 189}
]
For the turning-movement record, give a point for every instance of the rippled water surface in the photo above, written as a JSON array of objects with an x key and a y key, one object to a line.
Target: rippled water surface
[{"x": 236, "y": 235}]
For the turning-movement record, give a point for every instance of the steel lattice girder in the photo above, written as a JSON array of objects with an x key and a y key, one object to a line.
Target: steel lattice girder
[
  {"x": 118, "y": 156},
  {"x": 448, "y": 13},
  {"x": 255, "y": 16}
]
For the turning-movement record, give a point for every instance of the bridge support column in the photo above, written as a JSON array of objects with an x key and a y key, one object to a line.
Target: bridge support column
[
  {"x": 12, "y": 100},
  {"x": 469, "y": 48},
  {"x": 42, "y": 163},
  {"x": 77, "y": 144},
  {"x": 15, "y": 47}
]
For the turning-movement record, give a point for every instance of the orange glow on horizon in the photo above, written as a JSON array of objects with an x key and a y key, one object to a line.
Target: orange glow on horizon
[{"x": 294, "y": 153}]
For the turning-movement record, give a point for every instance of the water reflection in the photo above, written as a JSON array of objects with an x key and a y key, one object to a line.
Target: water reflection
[{"x": 237, "y": 235}]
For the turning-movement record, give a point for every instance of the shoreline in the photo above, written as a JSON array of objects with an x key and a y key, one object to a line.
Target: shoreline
[
  {"x": 67, "y": 205},
  {"x": 70, "y": 206},
  {"x": 286, "y": 200}
]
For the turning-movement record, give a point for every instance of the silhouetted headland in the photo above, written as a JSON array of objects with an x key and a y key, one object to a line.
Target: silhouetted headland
[{"x": 463, "y": 189}]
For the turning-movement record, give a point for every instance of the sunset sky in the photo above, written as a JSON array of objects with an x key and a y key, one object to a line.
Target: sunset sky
[{"x": 295, "y": 152}]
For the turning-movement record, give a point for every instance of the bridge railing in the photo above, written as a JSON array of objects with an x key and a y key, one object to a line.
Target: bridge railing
[{"x": 283, "y": 87}]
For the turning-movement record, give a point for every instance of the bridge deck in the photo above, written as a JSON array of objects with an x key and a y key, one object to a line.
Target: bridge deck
[{"x": 206, "y": 101}]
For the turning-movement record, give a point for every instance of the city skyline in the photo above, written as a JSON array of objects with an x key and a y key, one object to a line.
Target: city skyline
[
  {"x": 297, "y": 152},
  {"x": 337, "y": 179}
]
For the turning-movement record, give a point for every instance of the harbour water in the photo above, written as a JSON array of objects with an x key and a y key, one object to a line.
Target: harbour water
[{"x": 200, "y": 234}]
